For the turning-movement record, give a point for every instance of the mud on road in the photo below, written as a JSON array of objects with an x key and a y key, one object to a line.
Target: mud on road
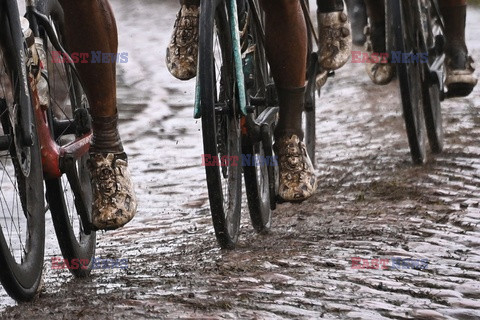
[{"x": 371, "y": 203}]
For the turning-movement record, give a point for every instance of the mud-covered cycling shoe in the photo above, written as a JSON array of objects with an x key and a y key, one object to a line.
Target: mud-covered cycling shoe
[
  {"x": 114, "y": 200},
  {"x": 381, "y": 72},
  {"x": 297, "y": 177},
  {"x": 460, "y": 79},
  {"x": 335, "y": 36},
  {"x": 182, "y": 52}
]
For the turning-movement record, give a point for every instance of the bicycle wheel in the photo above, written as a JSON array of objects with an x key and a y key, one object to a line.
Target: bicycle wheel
[
  {"x": 257, "y": 188},
  {"x": 22, "y": 221},
  {"x": 256, "y": 173},
  {"x": 433, "y": 74},
  {"x": 68, "y": 117},
  {"x": 309, "y": 118},
  {"x": 220, "y": 121},
  {"x": 402, "y": 16},
  {"x": 433, "y": 116}
]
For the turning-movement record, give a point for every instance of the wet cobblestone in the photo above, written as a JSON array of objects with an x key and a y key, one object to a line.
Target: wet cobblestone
[{"x": 371, "y": 203}]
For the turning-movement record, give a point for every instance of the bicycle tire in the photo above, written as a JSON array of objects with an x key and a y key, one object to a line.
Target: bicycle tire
[
  {"x": 256, "y": 175},
  {"x": 433, "y": 117},
  {"x": 67, "y": 99},
  {"x": 257, "y": 189},
  {"x": 432, "y": 82},
  {"x": 409, "y": 76},
  {"x": 309, "y": 116},
  {"x": 220, "y": 120},
  {"x": 21, "y": 264}
]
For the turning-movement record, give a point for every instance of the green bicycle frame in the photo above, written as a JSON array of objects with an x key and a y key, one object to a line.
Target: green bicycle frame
[{"x": 237, "y": 58}]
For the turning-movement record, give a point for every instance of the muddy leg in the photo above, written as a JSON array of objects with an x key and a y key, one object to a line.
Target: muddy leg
[
  {"x": 286, "y": 45},
  {"x": 460, "y": 78},
  {"x": 379, "y": 73},
  {"x": 90, "y": 26}
]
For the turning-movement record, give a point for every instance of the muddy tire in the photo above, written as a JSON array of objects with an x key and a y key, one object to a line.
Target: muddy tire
[
  {"x": 220, "y": 121},
  {"x": 22, "y": 214},
  {"x": 68, "y": 118},
  {"x": 401, "y": 15}
]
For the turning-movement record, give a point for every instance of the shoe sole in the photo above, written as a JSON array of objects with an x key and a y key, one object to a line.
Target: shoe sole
[{"x": 459, "y": 89}]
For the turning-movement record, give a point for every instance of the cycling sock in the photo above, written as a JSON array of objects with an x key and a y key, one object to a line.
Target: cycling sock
[
  {"x": 357, "y": 13},
  {"x": 326, "y": 6},
  {"x": 377, "y": 37},
  {"x": 452, "y": 3},
  {"x": 456, "y": 48},
  {"x": 190, "y": 2},
  {"x": 376, "y": 17},
  {"x": 106, "y": 138},
  {"x": 291, "y": 101}
]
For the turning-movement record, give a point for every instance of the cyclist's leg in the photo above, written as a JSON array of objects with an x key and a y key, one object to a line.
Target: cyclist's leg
[
  {"x": 182, "y": 51},
  {"x": 460, "y": 78},
  {"x": 376, "y": 32},
  {"x": 358, "y": 16},
  {"x": 286, "y": 45},
  {"x": 334, "y": 34},
  {"x": 91, "y": 27},
  {"x": 379, "y": 73}
]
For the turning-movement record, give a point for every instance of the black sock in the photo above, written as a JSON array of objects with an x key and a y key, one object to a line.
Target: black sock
[
  {"x": 377, "y": 37},
  {"x": 291, "y": 102},
  {"x": 106, "y": 138},
  {"x": 326, "y": 6},
  {"x": 190, "y": 2},
  {"x": 456, "y": 48}
]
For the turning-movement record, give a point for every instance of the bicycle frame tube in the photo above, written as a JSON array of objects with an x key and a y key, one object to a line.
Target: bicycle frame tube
[
  {"x": 237, "y": 55},
  {"x": 237, "y": 59},
  {"x": 52, "y": 154}
]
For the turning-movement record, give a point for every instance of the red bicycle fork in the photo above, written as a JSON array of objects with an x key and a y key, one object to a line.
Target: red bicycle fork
[{"x": 54, "y": 156}]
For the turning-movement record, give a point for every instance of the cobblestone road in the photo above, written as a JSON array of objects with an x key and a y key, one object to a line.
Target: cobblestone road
[{"x": 371, "y": 203}]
